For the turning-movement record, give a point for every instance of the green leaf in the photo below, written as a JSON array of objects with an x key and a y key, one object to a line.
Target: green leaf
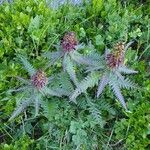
[
  {"x": 27, "y": 65},
  {"x": 99, "y": 40},
  {"x": 20, "y": 108},
  {"x": 68, "y": 66},
  {"x": 90, "y": 81},
  {"x": 34, "y": 23},
  {"x": 97, "y": 5}
]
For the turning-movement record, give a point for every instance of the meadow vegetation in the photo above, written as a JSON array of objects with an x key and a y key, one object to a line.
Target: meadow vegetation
[{"x": 76, "y": 77}]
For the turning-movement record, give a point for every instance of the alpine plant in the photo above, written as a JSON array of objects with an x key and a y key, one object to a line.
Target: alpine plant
[
  {"x": 68, "y": 52},
  {"x": 34, "y": 89},
  {"x": 109, "y": 72}
]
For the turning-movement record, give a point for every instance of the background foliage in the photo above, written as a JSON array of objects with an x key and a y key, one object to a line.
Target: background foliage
[{"x": 31, "y": 28}]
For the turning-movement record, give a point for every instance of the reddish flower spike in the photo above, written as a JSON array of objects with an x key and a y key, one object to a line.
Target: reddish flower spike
[
  {"x": 39, "y": 79},
  {"x": 116, "y": 58},
  {"x": 69, "y": 42}
]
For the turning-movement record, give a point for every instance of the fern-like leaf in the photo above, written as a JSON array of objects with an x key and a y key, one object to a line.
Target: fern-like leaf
[
  {"x": 126, "y": 70},
  {"x": 37, "y": 103},
  {"x": 62, "y": 92},
  {"x": 65, "y": 83},
  {"x": 53, "y": 56},
  {"x": 96, "y": 63},
  {"x": 49, "y": 109},
  {"x": 96, "y": 115},
  {"x": 69, "y": 67},
  {"x": 20, "y": 108},
  {"x": 64, "y": 61},
  {"x": 30, "y": 69},
  {"x": 95, "y": 60},
  {"x": 79, "y": 47},
  {"x": 23, "y": 80},
  {"x": 90, "y": 81},
  {"x": 127, "y": 46},
  {"x": 95, "y": 112},
  {"x": 48, "y": 91},
  {"x": 50, "y": 79},
  {"x": 92, "y": 68},
  {"x": 124, "y": 83},
  {"x": 103, "y": 105},
  {"x": 117, "y": 92},
  {"x": 104, "y": 81},
  {"x": 80, "y": 59},
  {"x": 24, "y": 88}
]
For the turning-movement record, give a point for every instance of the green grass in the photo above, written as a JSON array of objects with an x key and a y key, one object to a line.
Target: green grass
[{"x": 32, "y": 28}]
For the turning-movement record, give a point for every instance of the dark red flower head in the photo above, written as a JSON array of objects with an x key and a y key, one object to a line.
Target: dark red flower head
[
  {"x": 116, "y": 58},
  {"x": 39, "y": 79},
  {"x": 69, "y": 42}
]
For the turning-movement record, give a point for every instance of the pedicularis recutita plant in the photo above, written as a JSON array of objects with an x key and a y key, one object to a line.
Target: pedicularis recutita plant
[
  {"x": 68, "y": 51},
  {"x": 34, "y": 89},
  {"x": 109, "y": 74},
  {"x": 104, "y": 70}
]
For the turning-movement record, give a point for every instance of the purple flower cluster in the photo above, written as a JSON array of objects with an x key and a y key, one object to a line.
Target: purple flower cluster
[
  {"x": 69, "y": 42},
  {"x": 116, "y": 58},
  {"x": 39, "y": 79}
]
